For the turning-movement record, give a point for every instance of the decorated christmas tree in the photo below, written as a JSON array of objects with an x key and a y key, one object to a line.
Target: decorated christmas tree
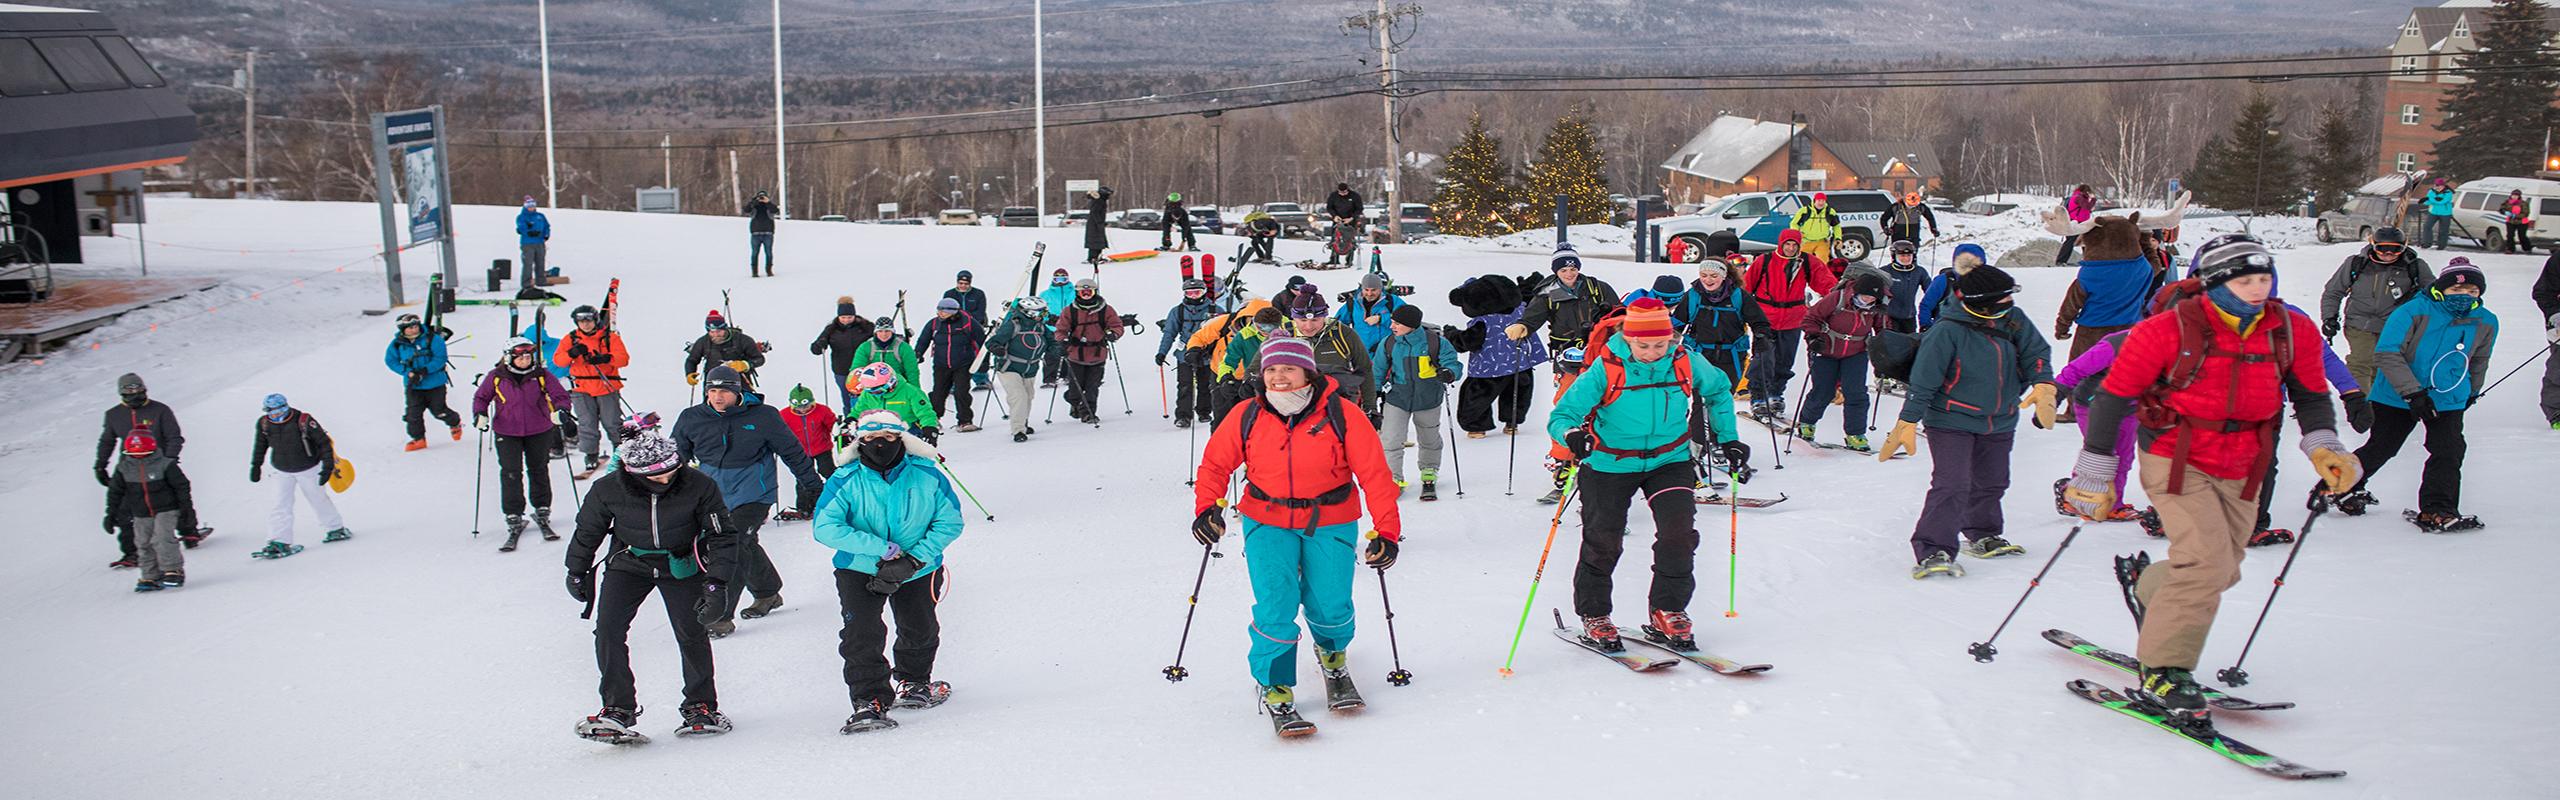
[
  {"x": 1476, "y": 190},
  {"x": 1569, "y": 163}
]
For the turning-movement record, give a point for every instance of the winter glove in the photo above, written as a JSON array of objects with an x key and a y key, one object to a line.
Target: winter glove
[
  {"x": 480, "y": 421},
  {"x": 109, "y": 523},
  {"x": 578, "y": 350},
  {"x": 2040, "y": 397},
  {"x": 2359, "y": 410},
  {"x": 1578, "y": 441},
  {"x": 2421, "y": 404},
  {"x": 1736, "y": 455},
  {"x": 102, "y": 475},
  {"x": 2329, "y": 330},
  {"x": 568, "y": 420},
  {"x": 2337, "y": 466},
  {"x": 2091, "y": 492},
  {"x": 1382, "y": 552},
  {"x": 257, "y": 471},
  {"x": 1515, "y": 331},
  {"x": 2062, "y": 332},
  {"x": 1905, "y": 438},
  {"x": 417, "y": 376},
  {"x": 893, "y": 573},
  {"x": 1159, "y": 359},
  {"x": 329, "y": 471},
  {"x": 706, "y": 610},
  {"x": 692, "y": 379},
  {"x": 741, "y": 366},
  {"x": 1209, "y": 525},
  {"x": 808, "y": 498},
  {"x": 579, "y": 589}
]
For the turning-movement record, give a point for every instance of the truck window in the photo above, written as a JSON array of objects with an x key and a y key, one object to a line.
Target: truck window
[
  {"x": 2474, "y": 201},
  {"x": 1748, "y": 207},
  {"x": 1861, "y": 203}
]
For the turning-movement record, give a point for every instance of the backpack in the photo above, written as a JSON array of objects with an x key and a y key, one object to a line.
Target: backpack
[
  {"x": 1332, "y": 419},
  {"x": 1892, "y": 353},
  {"x": 2185, "y": 300},
  {"x": 1614, "y": 371}
]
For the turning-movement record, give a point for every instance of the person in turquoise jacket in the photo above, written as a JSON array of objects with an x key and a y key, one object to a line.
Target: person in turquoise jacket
[
  {"x": 1370, "y": 311},
  {"x": 2432, "y": 359},
  {"x": 2439, "y": 222},
  {"x": 1056, "y": 298},
  {"x": 1415, "y": 367},
  {"x": 1631, "y": 425},
  {"x": 890, "y": 514}
]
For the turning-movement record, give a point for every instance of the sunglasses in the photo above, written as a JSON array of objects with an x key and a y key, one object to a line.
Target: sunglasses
[{"x": 2386, "y": 247}]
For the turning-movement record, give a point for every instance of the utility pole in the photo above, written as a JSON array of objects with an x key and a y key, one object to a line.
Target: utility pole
[
  {"x": 781, "y": 175},
  {"x": 249, "y": 117},
  {"x": 1381, "y": 23},
  {"x": 667, "y": 159},
  {"x": 550, "y": 161},
  {"x": 1039, "y": 117}
]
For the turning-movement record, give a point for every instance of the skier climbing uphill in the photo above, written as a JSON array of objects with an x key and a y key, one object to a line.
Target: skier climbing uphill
[
  {"x": 1631, "y": 426},
  {"x": 1305, "y": 450},
  {"x": 2207, "y": 378}
]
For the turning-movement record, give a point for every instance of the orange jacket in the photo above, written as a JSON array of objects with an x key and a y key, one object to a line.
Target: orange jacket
[
  {"x": 590, "y": 378},
  {"x": 1300, "y": 461},
  {"x": 1215, "y": 333}
]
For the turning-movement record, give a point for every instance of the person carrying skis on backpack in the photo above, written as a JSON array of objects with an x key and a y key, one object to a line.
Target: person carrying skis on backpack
[
  {"x": 1338, "y": 352},
  {"x": 1937, "y": 301},
  {"x": 952, "y": 338},
  {"x": 305, "y": 460},
  {"x": 839, "y": 341},
  {"x": 148, "y": 493},
  {"x": 1307, "y": 452},
  {"x": 2206, "y": 377},
  {"x": 1967, "y": 382},
  {"x": 1780, "y": 281},
  {"x": 1369, "y": 311},
  {"x": 1017, "y": 348},
  {"x": 595, "y": 358},
  {"x": 528, "y": 409},
  {"x": 2363, "y": 292},
  {"x": 884, "y": 347},
  {"x": 1502, "y": 372},
  {"x": 1190, "y": 379},
  {"x": 419, "y": 358},
  {"x": 735, "y": 441},
  {"x": 876, "y": 387},
  {"x": 2431, "y": 361},
  {"x": 1836, "y": 335},
  {"x": 669, "y": 533},
  {"x": 1631, "y": 427},
  {"x": 1087, "y": 330},
  {"x": 719, "y": 345},
  {"x": 1566, "y": 304},
  {"x": 890, "y": 515},
  {"x": 1415, "y": 367}
]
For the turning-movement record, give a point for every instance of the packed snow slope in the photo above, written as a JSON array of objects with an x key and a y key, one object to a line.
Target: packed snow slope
[{"x": 416, "y": 661}]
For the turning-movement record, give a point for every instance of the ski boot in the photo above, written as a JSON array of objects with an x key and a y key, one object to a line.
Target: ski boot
[
  {"x": 1992, "y": 546},
  {"x": 1603, "y": 634},
  {"x": 414, "y": 445},
  {"x": 2442, "y": 521},
  {"x": 922, "y": 695},
  {"x": 700, "y": 719},
  {"x": 457, "y": 433},
  {"x": 720, "y": 629},
  {"x": 337, "y": 535},
  {"x": 2128, "y": 574},
  {"x": 121, "y": 563},
  {"x": 868, "y": 716},
  {"x": 1803, "y": 430},
  {"x": 1280, "y": 703},
  {"x": 1858, "y": 443},
  {"x": 594, "y": 462},
  {"x": 762, "y": 606},
  {"x": 2270, "y": 536},
  {"x": 611, "y": 726},
  {"x": 1672, "y": 629},
  {"x": 1937, "y": 564},
  {"x": 2150, "y": 519},
  {"x": 2353, "y": 503},
  {"x": 1339, "y": 694},
  {"x": 515, "y": 530},
  {"x": 542, "y": 519},
  {"x": 172, "y": 580},
  {"x": 1430, "y": 485},
  {"x": 2173, "y": 694},
  {"x": 146, "y": 585}
]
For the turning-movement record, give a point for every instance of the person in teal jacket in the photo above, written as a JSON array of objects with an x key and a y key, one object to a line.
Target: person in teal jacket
[
  {"x": 2439, "y": 222},
  {"x": 889, "y": 515},
  {"x": 1631, "y": 424},
  {"x": 2432, "y": 359},
  {"x": 1015, "y": 350},
  {"x": 1967, "y": 379},
  {"x": 1415, "y": 368},
  {"x": 1056, "y": 298},
  {"x": 1370, "y": 311}
]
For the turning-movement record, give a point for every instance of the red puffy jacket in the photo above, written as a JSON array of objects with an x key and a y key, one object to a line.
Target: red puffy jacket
[
  {"x": 1302, "y": 461},
  {"x": 811, "y": 428},
  {"x": 2240, "y": 390},
  {"x": 1780, "y": 284}
]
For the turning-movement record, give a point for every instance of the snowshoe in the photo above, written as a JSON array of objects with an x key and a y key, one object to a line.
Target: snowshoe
[
  {"x": 542, "y": 519},
  {"x": 968, "y": 427},
  {"x": 2173, "y": 694},
  {"x": 700, "y": 719},
  {"x": 2270, "y": 536},
  {"x": 146, "y": 586},
  {"x": 611, "y": 726},
  {"x": 720, "y": 629},
  {"x": 173, "y": 580},
  {"x": 922, "y": 695},
  {"x": 121, "y": 563},
  {"x": 1992, "y": 547},
  {"x": 2128, "y": 574},
  {"x": 338, "y": 535},
  {"x": 2353, "y": 503},
  {"x": 275, "y": 550},
  {"x": 2062, "y": 505},
  {"x": 1278, "y": 702},
  {"x": 2441, "y": 521},
  {"x": 1671, "y": 628},
  {"x": 2150, "y": 519},
  {"x": 790, "y": 515},
  {"x": 1603, "y": 634},
  {"x": 762, "y": 606},
  {"x": 2123, "y": 512},
  {"x": 194, "y": 537},
  {"x": 1937, "y": 564},
  {"x": 1339, "y": 693},
  {"x": 868, "y": 717}
]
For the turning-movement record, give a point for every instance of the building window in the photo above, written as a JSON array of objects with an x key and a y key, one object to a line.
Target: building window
[
  {"x": 2409, "y": 114},
  {"x": 2462, "y": 28},
  {"x": 2409, "y": 28},
  {"x": 2405, "y": 162},
  {"x": 2409, "y": 65}
]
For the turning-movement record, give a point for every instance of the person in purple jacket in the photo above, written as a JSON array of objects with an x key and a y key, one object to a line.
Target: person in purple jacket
[{"x": 527, "y": 408}]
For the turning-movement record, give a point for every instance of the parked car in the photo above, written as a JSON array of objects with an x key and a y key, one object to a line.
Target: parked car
[
  {"x": 1757, "y": 217},
  {"x": 898, "y": 221},
  {"x": 2476, "y": 215},
  {"x": 1143, "y": 219},
  {"x": 2355, "y": 221},
  {"x": 957, "y": 216},
  {"x": 1294, "y": 223},
  {"x": 1205, "y": 219},
  {"x": 1018, "y": 217},
  {"x": 833, "y": 218},
  {"x": 1073, "y": 219}
]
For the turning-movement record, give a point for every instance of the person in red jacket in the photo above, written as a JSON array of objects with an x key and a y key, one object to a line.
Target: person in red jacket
[
  {"x": 1306, "y": 451},
  {"x": 2211, "y": 378},
  {"x": 1780, "y": 280},
  {"x": 811, "y": 423},
  {"x": 1837, "y": 332}
]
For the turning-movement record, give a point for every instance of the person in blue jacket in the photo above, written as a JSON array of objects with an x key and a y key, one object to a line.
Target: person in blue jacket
[
  {"x": 889, "y": 514},
  {"x": 533, "y": 237},
  {"x": 2429, "y": 366},
  {"x": 1370, "y": 311},
  {"x": 420, "y": 361},
  {"x": 735, "y": 439},
  {"x": 1902, "y": 271},
  {"x": 1717, "y": 319},
  {"x": 1192, "y": 380},
  {"x": 1968, "y": 256},
  {"x": 1056, "y": 298}
]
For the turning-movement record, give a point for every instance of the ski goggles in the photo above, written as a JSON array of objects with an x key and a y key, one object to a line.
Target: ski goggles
[
  {"x": 583, "y": 316},
  {"x": 410, "y": 321},
  {"x": 1195, "y": 294},
  {"x": 523, "y": 350},
  {"x": 2392, "y": 248},
  {"x": 866, "y": 428}
]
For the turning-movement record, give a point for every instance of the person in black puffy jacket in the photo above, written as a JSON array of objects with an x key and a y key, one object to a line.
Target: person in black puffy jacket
[
  {"x": 670, "y": 533},
  {"x": 843, "y": 335}
]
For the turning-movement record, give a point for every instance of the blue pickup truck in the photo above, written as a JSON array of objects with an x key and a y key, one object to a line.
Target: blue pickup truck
[{"x": 1757, "y": 217}]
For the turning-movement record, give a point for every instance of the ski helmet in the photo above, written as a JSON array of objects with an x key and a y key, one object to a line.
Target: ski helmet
[
  {"x": 649, "y": 453},
  {"x": 638, "y": 423},
  {"x": 582, "y": 314},
  {"x": 875, "y": 378},
  {"x": 1033, "y": 305},
  {"x": 800, "y": 396},
  {"x": 409, "y": 321},
  {"x": 140, "y": 443},
  {"x": 1173, "y": 197},
  {"x": 1904, "y": 246},
  {"x": 520, "y": 346},
  {"x": 1195, "y": 288},
  {"x": 2230, "y": 256}
]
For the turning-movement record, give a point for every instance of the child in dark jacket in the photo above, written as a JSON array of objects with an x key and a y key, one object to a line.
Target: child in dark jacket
[
  {"x": 1836, "y": 334},
  {"x": 149, "y": 490}
]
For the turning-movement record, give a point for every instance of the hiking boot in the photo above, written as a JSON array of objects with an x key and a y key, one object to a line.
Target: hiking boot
[
  {"x": 1475, "y": 434},
  {"x": 146, "y": 585},
  {"x": 1858, "y": 443},
  {"x": 1602, "y": 633},
  {"x": 2172, "y": 692},
  {"x": 922, "y": 695},
  {"x": 762, "y": 606},
  {"x": 1022, "y": 437},
  {"x": 2270, "y": 536},
  {"x": 968, "y": 427},
  {"x": 1182, "y": 422},
  {"x": 594, "y": 462},
  {"x": 1672, "y": 628},
  {"x": 700, "y": 719},
  {"x": 867, "y": 717},
  {"x": 542, "y": 519},
  {"x": 414, "y": 445},
  {"x": 1939, "y": 563},
  {"x": 1510, "y": 430},
  {"x": 172, "y": 580},
  {"x": 457, "y": 433},
  {"x": 1992, "y": 546}
]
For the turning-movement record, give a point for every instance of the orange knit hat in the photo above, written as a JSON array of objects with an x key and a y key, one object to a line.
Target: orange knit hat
[{"x": 1648, "y": 319}]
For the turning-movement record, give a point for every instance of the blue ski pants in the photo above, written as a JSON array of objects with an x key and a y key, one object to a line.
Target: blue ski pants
[{"x": 1291, "y": 570}]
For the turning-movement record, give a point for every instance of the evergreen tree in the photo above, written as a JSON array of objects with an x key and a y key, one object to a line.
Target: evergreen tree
[
  {"x": 1569, "y": 163},
  {"x": 2249, "y": 167},
  {"x": 2497, "y": 118},
  {"x": 1960, "y": 148},
  {"x": 2338, "y": 157},
  {"x": 1476, "y": 188}
]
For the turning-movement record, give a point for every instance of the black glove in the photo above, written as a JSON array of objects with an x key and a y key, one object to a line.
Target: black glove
[
  {"x": 417, "y": 376},
  {"x": 329, "y": 471},
  {"x": 2421, "y": 405},
  {"x": 1209, "y": 526},
  {"x": 579, "y": 589},
  {"x": 109, "y": 523},
  {"x": 892, "y": 573},
  {"x": 578, "y": 350},
  {"x": 568, "y": 420},
  {"x": 1382, "y": 552},
  {"x": 2329, "y": 330},
  {"x": 707, "y": 609},
  {"x": 257, "y": 471},
  {"x": 599, "y": 358},
  {"x": 808, "y": 498},
  {"x": 2359, "y": 410},
  {"x": 1735, "y": 453},
  {"x": 1159, "y": 359},
  {"x": 102, "y": 475},
  {"x": 1578, "y": 440}
]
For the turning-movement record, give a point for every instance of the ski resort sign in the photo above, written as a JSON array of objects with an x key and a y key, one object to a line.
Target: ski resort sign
[{"x": 418, "y": 134}]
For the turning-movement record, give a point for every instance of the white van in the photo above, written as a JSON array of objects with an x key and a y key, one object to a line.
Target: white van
[{"x": 2476, "y": 210}]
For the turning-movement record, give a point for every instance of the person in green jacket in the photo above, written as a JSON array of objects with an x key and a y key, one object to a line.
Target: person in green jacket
[
  {"x": 1415, "y": 368},
  {"x": 879, "y": 388},
  {"x": 1966, "y": 383},
  {"x": 1631, "y": 425},
  {"x": 886, "y": 348}
]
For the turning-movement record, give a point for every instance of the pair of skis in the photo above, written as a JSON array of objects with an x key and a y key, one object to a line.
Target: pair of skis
[
  {"x": 2203, "y": 735},
  {"x": 1639, "y": 662}
]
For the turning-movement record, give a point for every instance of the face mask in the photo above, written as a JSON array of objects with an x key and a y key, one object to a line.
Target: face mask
[
  {"x": 882, "y": 453},
  {"x": 1992, "y": 308},
  {"x": 2462, "y": 303},
  {"x": 2232, "y": 304},
  {"x": 137, "y": 400},
  {"x": 1293, "y": 401}
]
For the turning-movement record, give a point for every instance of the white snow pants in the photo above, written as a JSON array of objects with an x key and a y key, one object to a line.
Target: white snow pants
[{"x": 280, "y": 518}]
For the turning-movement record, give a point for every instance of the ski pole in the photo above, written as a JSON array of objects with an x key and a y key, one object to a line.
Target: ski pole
[
  {"x": 1399, "y": 677},
  {"x": 1733, "y": 540},
  {"x": 1163, "y": 404},
  {"x": 2233, "y": 674},
  {"x": 1571, "y": 486},
  {"x": 479, "y": 478},
  {"x": 1983, "y": 651},
  {"x": 2512, "y": 373},
  {"x": 1802, "y": 398},
  {"x": 1176, "y": 673},
  {"x": 1053, "y": 404},
  {"x": 964, "y": 490},
  {"x": 1512, "y": 472},
  {"x": 1449, "y": 431},
  {"x": 1120, "y": 376},
  {"x": 576, "y": 503}
]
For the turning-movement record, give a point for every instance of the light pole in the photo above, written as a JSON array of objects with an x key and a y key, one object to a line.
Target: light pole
[
  {"x": 550, "y": 161},
  {"x": 1039, "y": 117},
  {"x": 781, "y": 167},
  {"x": 245, "y": 84},
  {"x": 1217, "y": 156}
]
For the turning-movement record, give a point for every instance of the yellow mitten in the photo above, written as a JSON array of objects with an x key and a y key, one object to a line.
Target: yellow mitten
[
  {"x": 2337, "y": 466},
  {"x": 2040, "y": 397},
  {"x": 740, "y": 366},
  {"x": 692, "y": 379},
  {"x": 1905, "y": 438},
  {"x": 1515, "y": 331}
]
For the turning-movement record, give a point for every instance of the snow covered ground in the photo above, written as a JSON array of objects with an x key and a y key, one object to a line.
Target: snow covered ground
[{"x": 415, "y": 661}]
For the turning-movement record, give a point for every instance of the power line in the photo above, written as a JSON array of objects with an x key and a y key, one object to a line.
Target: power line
[{"x": 824, "y": 25}]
